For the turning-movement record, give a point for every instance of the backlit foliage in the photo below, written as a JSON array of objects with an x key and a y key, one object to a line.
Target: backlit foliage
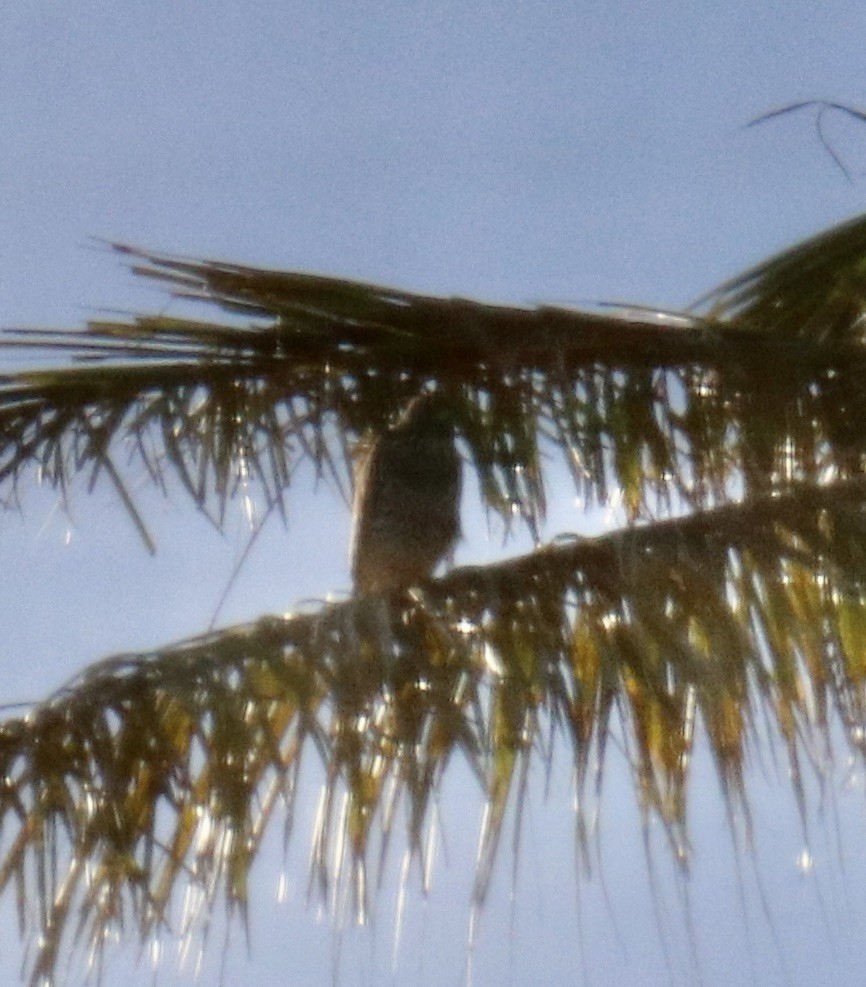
[{"x": 732, "y": 597}]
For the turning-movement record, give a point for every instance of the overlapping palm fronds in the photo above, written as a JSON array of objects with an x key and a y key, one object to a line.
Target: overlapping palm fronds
[
  {"x": 152, "y": 774},
  {"x": 665, "y": 407},
  {"x": 742, "y": 602}
]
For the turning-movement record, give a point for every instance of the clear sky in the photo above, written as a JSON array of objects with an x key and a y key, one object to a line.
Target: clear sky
[
  {"x": 564, "y": 152},
  {"x": 519, "y": 152}
]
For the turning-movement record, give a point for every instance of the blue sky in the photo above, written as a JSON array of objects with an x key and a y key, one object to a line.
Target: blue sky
[
  {"x": 521, "y": 152},
  {"x": 518, "y": 152}
]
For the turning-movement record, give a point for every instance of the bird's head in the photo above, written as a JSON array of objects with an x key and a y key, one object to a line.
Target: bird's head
[{"x": 433, "y": 413}]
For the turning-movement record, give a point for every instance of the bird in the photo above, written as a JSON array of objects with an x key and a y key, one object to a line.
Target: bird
[{"x": 406, "y": 510}]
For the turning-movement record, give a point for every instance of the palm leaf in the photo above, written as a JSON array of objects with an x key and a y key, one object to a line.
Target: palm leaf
[
  {"x": 153, "y": 773},
  {"x": 163, "y": 770},
  {"x": 665, "y": 409}
]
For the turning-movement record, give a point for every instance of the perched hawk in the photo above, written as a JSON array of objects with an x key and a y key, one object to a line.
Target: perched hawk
[{"x": 407, "y": 499}]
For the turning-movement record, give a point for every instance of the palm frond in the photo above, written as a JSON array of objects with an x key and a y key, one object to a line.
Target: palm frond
[
  {"x": 814, "y": 291},
  {"x": 151, "y": 773},
  {"x": 665, "y": 409}
]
